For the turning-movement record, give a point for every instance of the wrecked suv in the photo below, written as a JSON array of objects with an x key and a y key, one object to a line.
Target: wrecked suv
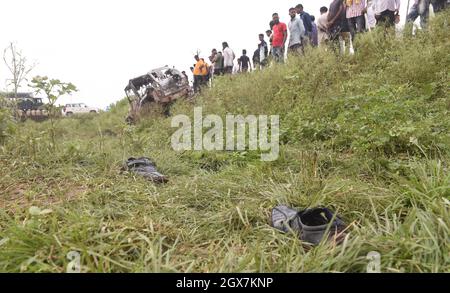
[{"x": 162, "y": 86}]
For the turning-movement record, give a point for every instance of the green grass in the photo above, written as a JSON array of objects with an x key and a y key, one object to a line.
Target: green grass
[{"x": 366, "y": 135}]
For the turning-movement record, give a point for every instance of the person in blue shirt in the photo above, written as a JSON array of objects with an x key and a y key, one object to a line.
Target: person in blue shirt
[{"x": 307, "y": 22}]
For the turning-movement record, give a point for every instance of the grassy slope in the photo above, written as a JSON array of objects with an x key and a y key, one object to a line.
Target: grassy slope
[{"x": 368, "y": 136}]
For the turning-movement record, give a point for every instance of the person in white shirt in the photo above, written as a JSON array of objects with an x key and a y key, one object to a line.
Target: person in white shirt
[
  {"x": 371, "y": 20},
  {"x": 386, "y": 11},
  {"x": 297, "y": 33},
  {"x": 228, "y": 58},
  {"x": 263, "y": 51},
  {"x": 322, "y": 26}
]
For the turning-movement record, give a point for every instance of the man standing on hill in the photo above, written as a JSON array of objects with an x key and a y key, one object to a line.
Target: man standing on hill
[
  {"x": 306, "y": 19},
  {"x": 228, "y": 58},
  {"x": 297, "y": 33},
  {"x": 279, "y": 39},
  {"x": 200, "y": 74},
  {"x": 218, "y": 64},
  {"x": 271, "y": 24},
  {"x": 207, "y": 73},
  {"x": 386, "y": 11},
  {"x": 322, "y": 26},
  {"x": 314, "y": 33},
  {"x": 269, "y": 34},
  {"x": 216, "y": 59},
  {"x": 244, "y": 62},
  {"x": 355, "y": 16},
  {"x": 255, "y": 59},
  {"x": 263, "y": 51},
  {"x": 371, "y": 20},
  {"x": 420, "y": 8},
  {"x": 337, "y": 22},
  {"x": 212, "y": 67}
]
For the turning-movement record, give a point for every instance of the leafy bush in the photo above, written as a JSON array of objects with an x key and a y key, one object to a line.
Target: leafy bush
[{"x": 7, "y": 124}]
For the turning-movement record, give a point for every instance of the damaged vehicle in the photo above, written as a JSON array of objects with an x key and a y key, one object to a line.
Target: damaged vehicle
[
  {"x": 25, "y": 106},
  {"x": 161, "y": 86}
]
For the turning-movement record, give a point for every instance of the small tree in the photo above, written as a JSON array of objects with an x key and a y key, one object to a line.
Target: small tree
[
  {"x": 53, "y": 89},
  {"x": 18, "y": 66}
]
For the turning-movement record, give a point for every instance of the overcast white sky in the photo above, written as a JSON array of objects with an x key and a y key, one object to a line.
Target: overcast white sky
[{"x": 100, "y": 44}]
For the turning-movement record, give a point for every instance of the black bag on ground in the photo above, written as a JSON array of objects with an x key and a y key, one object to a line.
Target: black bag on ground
[{"x": 145, "y": 168}]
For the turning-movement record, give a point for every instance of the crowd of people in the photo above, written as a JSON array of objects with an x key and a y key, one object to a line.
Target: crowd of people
[{"x": 336, "y": 27}]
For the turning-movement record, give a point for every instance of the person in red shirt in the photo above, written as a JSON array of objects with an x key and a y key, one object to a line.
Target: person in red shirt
[{"x": 279, "y": 38}]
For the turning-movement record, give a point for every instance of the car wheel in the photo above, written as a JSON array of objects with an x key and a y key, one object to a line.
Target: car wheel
[
  {"x": 69, "y": 114},
  {"x": 94, "y": 112}
]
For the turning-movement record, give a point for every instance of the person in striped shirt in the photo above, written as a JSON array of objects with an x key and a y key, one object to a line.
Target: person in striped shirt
[{"x": 355, "y": 16}]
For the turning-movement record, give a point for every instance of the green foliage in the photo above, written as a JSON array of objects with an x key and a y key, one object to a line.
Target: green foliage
[
  {"x": 384, "y": 122},
  {"x": 53, "y": 90},
  {"x": 7, "y": 125}
]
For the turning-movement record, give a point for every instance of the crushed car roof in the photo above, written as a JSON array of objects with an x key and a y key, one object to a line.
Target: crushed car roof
[{"x": 153, "y": 75}]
